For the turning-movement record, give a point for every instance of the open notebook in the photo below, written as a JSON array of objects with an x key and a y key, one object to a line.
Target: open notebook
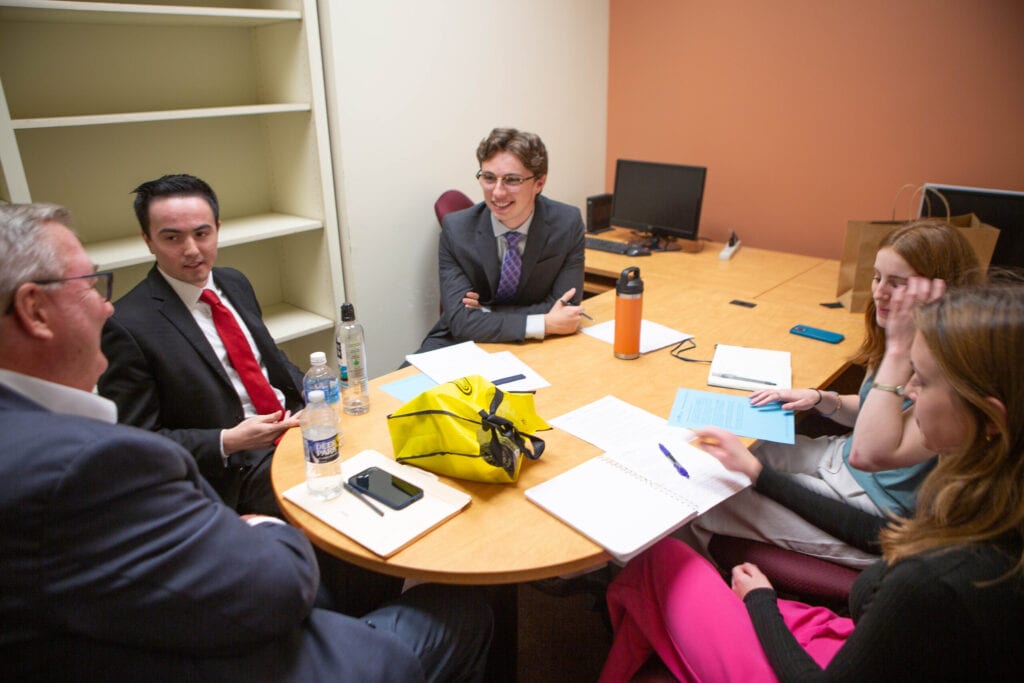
[
  {"x": 628, "y": 499},
  {"x": 397, "y": 528}
]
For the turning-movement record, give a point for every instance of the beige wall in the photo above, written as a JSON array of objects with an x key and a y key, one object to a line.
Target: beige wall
[
  {"x": 412, "y": 88},
  {"x": 808, "y": 113}
]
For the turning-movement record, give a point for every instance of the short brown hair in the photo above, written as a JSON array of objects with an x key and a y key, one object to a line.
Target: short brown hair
[{"x": 527, "y": 147}]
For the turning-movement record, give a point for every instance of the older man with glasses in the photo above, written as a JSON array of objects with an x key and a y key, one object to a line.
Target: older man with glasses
[
  {"x": 121, "y": 563},
  {"x": 511, "y": 267}
]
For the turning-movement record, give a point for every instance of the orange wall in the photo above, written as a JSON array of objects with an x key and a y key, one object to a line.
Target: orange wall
[{"x": 808, "y": 113}]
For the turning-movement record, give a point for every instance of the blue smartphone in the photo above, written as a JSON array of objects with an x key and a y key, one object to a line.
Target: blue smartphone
[{"x": 816, "y": 333}]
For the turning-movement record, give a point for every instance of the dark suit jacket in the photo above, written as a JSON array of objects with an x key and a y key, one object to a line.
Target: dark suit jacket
[
  {"x": 468, "y": 261},
  {"x": 164, "y": 376},
  {"x": 120, "y": 564}
]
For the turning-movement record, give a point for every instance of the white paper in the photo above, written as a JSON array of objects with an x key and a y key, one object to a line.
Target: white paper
[
  {"x": 459, "y": 360},
  {"x": 397, "y": 528},
  {"x": 448, "y": 363},
  {"x": 653, "y": 336},
  {"x": 627, "y": 500},
  {"x": 612, "y": 424},
  {"x": 750, "y": 369}
]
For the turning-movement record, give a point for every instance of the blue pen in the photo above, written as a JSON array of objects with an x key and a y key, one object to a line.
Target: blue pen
[{"x": 675, "y": 463}]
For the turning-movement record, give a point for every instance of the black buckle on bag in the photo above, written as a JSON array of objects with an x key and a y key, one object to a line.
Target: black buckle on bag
[{"x": 506, "y": 444}]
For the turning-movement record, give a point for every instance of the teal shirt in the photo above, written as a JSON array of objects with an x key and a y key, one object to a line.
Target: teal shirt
[{"x": 891, "y": 490}]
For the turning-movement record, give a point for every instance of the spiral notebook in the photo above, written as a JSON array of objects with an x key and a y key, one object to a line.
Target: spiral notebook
[{"x": 627, "y": 500}]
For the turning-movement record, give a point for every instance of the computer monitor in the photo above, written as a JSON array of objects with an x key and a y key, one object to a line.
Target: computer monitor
[
  {"x": 1002, "y": 209},
  {"x": 663, "y": 200}
]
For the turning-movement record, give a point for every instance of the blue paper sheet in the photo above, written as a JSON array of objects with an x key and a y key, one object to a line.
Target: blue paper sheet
[
  {"x": 703, "y": 408},
  {"x": 410, "y": 387}
]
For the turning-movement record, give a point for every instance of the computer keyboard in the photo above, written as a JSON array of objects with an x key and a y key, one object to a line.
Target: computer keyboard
[{"x": 613, "y": 247}]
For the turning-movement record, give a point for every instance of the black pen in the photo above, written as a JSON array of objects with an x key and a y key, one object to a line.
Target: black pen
[
  {"x": 583, "y": 313},
  {"x": 679, "y": 468},
  {"x": 506, "y": 380},
  {"x": 361, "y": 496}
]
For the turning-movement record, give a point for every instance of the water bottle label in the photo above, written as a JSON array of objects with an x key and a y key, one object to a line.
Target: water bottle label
[
  {"x": 342, "y": 365},
  {"x": 321, "y": 451},
  {"x": 332, "y": 391}
]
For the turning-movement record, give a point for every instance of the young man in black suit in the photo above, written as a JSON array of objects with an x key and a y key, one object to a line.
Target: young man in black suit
[{"x": 169, "y": 368}]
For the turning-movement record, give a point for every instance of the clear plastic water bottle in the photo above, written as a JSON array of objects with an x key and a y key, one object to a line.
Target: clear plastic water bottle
[
  {"x": 355, "y": 387},
  {"x": 321, "y": 377},
  {"x": 321, "y": 439}
]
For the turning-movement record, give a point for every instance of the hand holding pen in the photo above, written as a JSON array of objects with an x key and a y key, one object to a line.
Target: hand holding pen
[
  {"x": 728, "y": 450},
  {"x": 567, "y": 298}
]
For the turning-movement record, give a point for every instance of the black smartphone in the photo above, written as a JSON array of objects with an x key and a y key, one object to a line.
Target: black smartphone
[{"x": 387, "y": 488}]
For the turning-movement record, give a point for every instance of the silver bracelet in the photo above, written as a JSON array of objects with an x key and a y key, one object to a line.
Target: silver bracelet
[{"x": 839, "y": 406}]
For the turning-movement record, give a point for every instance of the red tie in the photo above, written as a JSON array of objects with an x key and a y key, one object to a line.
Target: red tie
[{"x": 241, "y": 356}]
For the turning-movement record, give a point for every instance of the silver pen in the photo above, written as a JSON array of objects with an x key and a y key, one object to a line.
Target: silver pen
[{"x": 729, "y": 375}]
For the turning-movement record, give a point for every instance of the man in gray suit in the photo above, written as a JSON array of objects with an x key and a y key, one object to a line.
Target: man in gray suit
[
  {"x": 120, "y": 563},
  {"x": 511, "y": 266}
]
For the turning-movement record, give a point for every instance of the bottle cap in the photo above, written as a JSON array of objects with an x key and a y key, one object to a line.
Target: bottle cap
[
  {"x": 317, "y": 358},
  {"x": 348, "y": 312},
  {"x": 316, "y": 395},
  {"x": 630, "y": 282}
]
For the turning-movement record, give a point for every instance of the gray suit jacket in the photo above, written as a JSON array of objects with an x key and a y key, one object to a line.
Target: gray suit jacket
[
  {"x": 165, "y": 377},
  {"x": 119, "y": 563},
  {"x": 468, "y": 261}
]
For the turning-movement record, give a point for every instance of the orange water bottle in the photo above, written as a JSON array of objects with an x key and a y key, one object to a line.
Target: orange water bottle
[{"x": 629, "y": 303}]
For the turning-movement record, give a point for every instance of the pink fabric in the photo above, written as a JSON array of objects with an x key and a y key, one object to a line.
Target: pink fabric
[{"x": 671, "y": 601}]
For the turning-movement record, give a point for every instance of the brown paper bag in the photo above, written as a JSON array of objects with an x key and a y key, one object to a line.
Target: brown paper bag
[{"x": 857, "y": 264}]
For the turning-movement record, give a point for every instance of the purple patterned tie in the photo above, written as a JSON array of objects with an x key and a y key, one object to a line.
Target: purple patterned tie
[{"x": 511, "y": 268}]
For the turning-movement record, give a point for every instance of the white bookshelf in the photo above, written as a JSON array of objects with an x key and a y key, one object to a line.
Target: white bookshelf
[{"x": 96, "y": 97}]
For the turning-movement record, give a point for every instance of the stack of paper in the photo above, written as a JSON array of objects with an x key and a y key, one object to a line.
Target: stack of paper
[
  {"x": 627, "y": 500},
  {"x": 633, "y": 495},
  {"x": 459, "y": 360}
]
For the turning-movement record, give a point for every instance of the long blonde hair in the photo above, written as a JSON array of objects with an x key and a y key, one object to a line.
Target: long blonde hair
[
  {"x": 934, "y": 249},
  {"x": 975, "y": 495}
]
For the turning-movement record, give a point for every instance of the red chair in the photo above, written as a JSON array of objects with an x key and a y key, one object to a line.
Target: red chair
[
  {"x": 452, "y": 200},
  {"x": 803, "y": 577}
]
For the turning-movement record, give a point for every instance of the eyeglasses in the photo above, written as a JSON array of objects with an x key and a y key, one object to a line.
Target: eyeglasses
[
  {"x": 512, "y": 182},
  {"x": 102, "y": 282}
]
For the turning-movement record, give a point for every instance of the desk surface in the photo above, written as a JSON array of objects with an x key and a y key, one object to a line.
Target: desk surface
[
  {"x": 502, "y": 537},
  {"x": 750, "y": 273}
]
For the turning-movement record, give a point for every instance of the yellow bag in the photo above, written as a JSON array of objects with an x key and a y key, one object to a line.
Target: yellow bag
[{"x": 468, "y": 429}]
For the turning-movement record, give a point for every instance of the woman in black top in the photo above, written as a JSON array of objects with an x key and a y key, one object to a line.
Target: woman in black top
[{"x": 947, "y": 600}]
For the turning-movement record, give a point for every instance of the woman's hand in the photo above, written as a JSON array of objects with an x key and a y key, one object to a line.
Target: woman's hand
[
  {"x": 746, "y": 577},
  {"x": 899, "y": 325},
  {"x": 729, "y": 451},
  {"x": 791, "y": 399}
]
